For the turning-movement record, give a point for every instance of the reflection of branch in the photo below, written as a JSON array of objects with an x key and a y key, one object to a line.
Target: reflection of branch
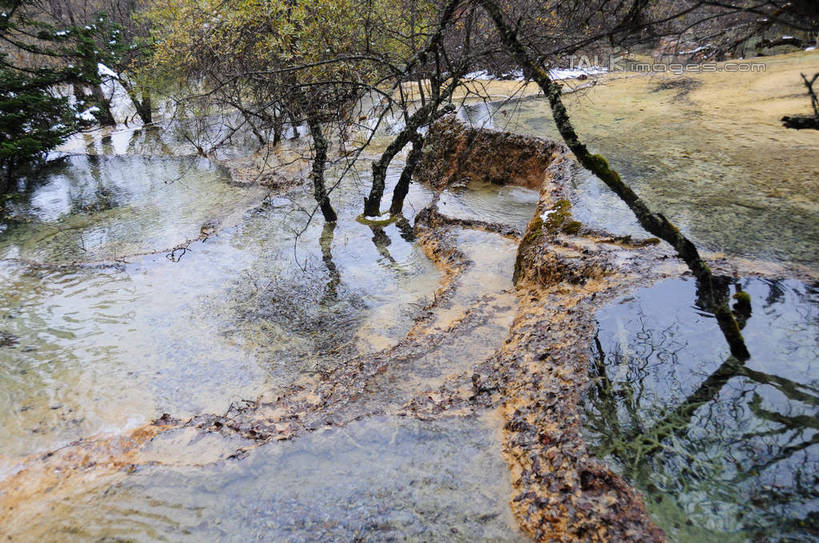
[
  {"x": 677, "y": 421},
  {"x": 636, "y": 446},
  {"x": 787, "y": 387},
  {"x": 784, "y": 453},
  {"x": 605, "y": 389},
  {"x": 381, "y": 241},
  {"x": 406, "y": 229},
  {"x": 792, "y": 423}
]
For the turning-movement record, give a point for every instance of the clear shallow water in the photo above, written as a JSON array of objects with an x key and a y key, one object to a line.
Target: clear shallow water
[
  {"x": 99, "y": 350},
  {"x": 736, "y": 184},
  {"x": 377, "y": 480},
  {"x": 103, "y": 349},
  {"x": 260, "y": 303},
  {"x": 102, "y": 208},
  {"x": 743, "y": 463},
  {"x": 491, "y": 203}
]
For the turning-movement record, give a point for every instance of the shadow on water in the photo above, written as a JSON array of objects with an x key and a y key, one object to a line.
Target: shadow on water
[{"x": 723, "y": 450}]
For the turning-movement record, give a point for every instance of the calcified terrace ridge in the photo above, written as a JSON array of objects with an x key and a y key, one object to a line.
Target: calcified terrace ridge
[{"x": 564, "y": 273}]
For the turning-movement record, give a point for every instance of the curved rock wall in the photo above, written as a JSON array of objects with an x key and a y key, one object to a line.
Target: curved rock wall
[
  {"x": 456, "y": 154},
  {"x": 563, "y": 274}
]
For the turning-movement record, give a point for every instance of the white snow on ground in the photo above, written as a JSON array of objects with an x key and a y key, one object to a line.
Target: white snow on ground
[
  {"x": 811, "y": 48},
  {"x": 573, "y": 73},
  {"x": 697, "y": 50},
  {"x": 555, "y": 73},
  {"x": 480, "y": 75}
]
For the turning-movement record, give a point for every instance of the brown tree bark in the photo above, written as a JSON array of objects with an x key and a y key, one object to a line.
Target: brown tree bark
[
  {"x": 402, "y": 188},
  {"x": 320, "y": 147},
  {"x": 372, "y": 203}
]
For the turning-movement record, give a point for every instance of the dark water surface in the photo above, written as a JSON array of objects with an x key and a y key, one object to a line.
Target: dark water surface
[{"x": 723, "y": 451}]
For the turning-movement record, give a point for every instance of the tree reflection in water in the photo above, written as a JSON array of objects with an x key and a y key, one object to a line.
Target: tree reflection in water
[{"x": 723, "y": 449}]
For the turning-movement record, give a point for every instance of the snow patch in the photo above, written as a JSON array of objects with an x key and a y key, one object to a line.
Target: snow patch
[
  {"x": 88, "y": 114},
  {"x": 480, "y": 75},
  {"x": 556, "y": 74},
  {"x": 574, "y": 73},
  {"x": 105, "y": 71},
  {"x": 697, "y": 50}
]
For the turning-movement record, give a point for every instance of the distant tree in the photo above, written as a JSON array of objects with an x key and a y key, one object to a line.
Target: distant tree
[
  {"x": 121, "y": 41},
  {"x": 33, "y": 120},
  {"x": 36, "y": 61}
]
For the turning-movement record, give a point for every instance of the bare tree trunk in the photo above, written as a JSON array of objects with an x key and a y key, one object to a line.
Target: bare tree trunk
[
  {"x": 7, "y": 179},
  {"x": 424, "y": 115},
  {"x": 655, "y": 223},
  {"x": 814, "y": 101},
  {"x": 253, "y": 128},
  {"x": 142, "y": 100},
  {"x": 402, "y": 188},
  {"x": 326, "y": 244},
  {"x": 97, "y": 99},
  {"x": 372, "y": 203},
  {"x": 800, "y": 122},
  {"x": 295, "y": 127},
  {"x": 144, "y": 107},
  {"x": 278, "y": 127},
  {"x": 320, "y": 147}
]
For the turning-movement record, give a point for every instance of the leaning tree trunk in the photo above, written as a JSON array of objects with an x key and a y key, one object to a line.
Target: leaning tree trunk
[
  {"x": 372, "y": 203},
  {"x": 140, "y": 99},
  {"x": 424, "y": 115},
  {"x": 800, "y": 122},
  {"x": 7, "y": 178},
  {"x": 402, "y": 188},
  {"x": 105, "y": 117},
  {"x": 278, "y": 127},
  {"x": 295, "y": 126},
  {"x": 655, "y": 223}
]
